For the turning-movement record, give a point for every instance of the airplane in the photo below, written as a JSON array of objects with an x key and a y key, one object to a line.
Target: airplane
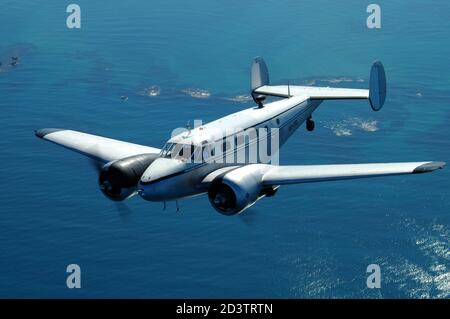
[{"x": 170, "y": 174}]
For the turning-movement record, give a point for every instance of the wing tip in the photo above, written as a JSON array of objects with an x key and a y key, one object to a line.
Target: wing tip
[
  {"x": 41, "y": 133},
  {"x": 429, "y": 167}
]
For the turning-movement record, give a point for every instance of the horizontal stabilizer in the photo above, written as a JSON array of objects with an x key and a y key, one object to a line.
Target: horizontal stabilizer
[
  {"x": 376, "y": 94},
  {"x": 313, "y": 92}
]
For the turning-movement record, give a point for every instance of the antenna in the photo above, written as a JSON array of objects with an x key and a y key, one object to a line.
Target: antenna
[{"x": 188, "y": 127}]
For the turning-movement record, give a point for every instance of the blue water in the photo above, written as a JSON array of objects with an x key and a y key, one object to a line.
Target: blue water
[{"x": 310, "y": 240}]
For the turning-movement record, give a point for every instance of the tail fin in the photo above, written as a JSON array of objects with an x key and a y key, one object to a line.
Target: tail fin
[
  {"x": 260, "y": 77},
  {"x": 261, "y": 87},
  {"x": 260, "y": 74},
  {"x": 377, "y": 90}
]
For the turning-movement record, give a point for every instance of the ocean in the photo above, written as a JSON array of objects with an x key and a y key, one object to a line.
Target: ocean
[{"x": 310, "y": 240}]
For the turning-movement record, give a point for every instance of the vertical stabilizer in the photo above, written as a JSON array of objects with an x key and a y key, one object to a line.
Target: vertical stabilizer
[
  {"x": 260, "y": 77},
  {"x": 377, "y": 90}
]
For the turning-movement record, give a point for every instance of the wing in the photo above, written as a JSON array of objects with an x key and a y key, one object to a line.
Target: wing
[
  {"x": 281, "y": 175},
  {"x": 97, "y": 147}
]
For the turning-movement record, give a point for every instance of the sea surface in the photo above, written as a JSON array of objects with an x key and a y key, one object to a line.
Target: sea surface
[{"x": 138, "y": 69}]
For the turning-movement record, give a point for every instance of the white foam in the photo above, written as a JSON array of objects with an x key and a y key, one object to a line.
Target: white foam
[
  {"x": 338, "y": 128},
  {"x": 438, "y": 268},
  {"x": 365, "y": 125},
  {"x": 340, "y": 131},
  {"x": 339, "y": 80},
  {"x": 342, "y": 79},
  {"x": 310, "y": 82},
  {"x": 197, "y": 93},
  {"x": 432, "y": 242},
  {"x": 240, "y": 98},
  {"x": 345, "y": 127},
  {"x": 151, "y": 91},
  {"x": 410, "y": 278},
  {"x": 443, "y": 284}
]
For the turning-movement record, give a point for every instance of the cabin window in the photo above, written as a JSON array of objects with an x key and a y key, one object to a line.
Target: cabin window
[
  {"x": 196, "y": 154},
  {"x": 185, "y": 152},
  {"x": 226, "y": 146}
]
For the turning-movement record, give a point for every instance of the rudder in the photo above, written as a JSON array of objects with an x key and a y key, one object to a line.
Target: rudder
[
  {"x": 260, "y": 74},
  {"x": 377, "y": 90}
]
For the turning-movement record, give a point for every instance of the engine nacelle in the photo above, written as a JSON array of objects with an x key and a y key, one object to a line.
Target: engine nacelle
[
  {"x": 118, "y": 179},
  {"x": 236, "y": 190}
]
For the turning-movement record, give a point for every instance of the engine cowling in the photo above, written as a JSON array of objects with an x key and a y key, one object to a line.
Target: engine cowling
[
  {"x": 118, "y": 179},
  {"x": 233, "y": 192}
]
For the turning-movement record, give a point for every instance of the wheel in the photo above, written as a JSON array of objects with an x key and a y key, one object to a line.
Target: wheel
[{"x": 310, "y": 125}]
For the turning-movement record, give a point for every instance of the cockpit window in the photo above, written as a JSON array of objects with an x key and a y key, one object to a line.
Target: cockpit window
[
  {"x": 188, "y": 152},
  {"x": 178, "y": 151},
  {"x": 167, "y": 150}
]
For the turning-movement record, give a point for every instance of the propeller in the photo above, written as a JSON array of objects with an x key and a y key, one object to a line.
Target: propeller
[
  {"x": 122, "y": 209},
  {"x": 248, "y": 217},
  {"x": 95, "y": 164}
]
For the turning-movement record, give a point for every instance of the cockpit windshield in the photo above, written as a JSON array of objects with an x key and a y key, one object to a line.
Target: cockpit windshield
[
  {"x": 178, "y": 151},
  {"x": 166, "y": 151}
]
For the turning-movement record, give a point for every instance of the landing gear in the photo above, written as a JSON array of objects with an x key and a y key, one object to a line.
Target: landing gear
[
  {"x": 176, "y": 203},
  {"x": 310, "y": 124}
]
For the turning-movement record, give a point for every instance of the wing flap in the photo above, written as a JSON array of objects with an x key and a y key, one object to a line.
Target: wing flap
[
  {"x": 97, "y": 147},
  {"x": 281, "y": 175}
]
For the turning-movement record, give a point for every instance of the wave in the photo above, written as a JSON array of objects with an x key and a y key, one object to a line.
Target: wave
[
  {"x": 432, "y": 278},
  {"x": 239, "y": 98},
  {"x": 365, "y": 125},
  {"x": 153, "y": 90},
  {"x": 341, "y": 131},
  {"x": 345, "y": 127},
  {"x": 197, "y": 93},
  {"x": 342, "y": 79}
]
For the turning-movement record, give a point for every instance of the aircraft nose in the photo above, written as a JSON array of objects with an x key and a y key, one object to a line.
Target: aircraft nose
[{"x": 161, "y": 169}]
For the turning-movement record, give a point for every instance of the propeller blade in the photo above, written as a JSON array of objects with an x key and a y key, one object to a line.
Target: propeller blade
[
  {"x": 248, "y": 217},
  {"x": 124, "y": 211},
  {"x": 96, "y": 165}
]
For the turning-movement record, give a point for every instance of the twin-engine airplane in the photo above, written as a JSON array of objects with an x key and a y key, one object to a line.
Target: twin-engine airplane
[{"x": 170, "y": 174}]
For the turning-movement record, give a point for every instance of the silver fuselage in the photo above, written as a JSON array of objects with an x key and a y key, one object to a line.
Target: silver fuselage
[{"x": 171, "y": 179}]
